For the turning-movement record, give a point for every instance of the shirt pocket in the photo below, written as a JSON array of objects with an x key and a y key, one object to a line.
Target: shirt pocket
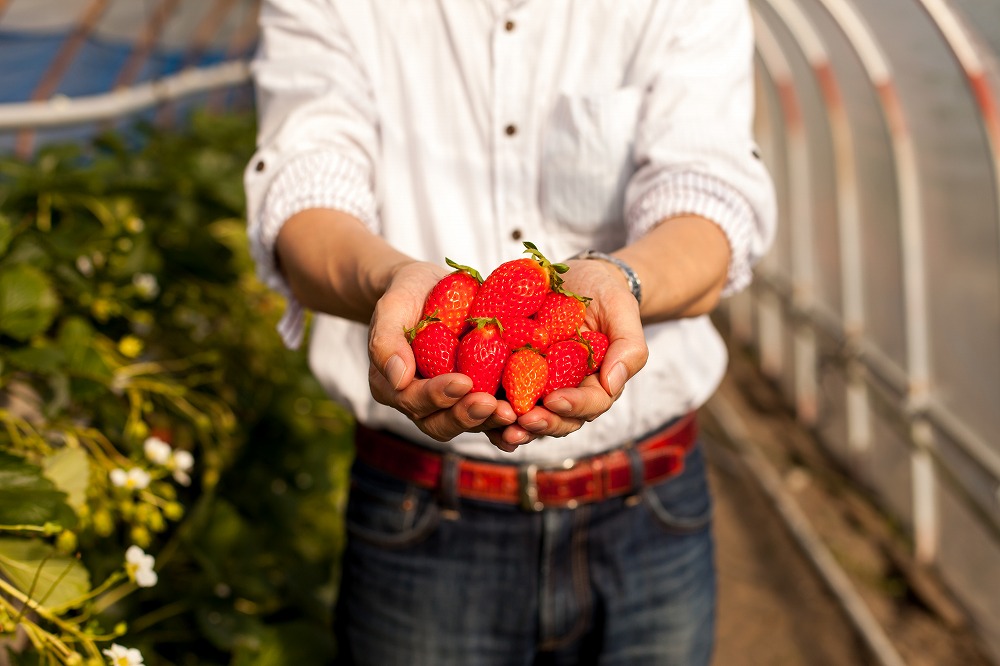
[{"x": 587, "y": 157}]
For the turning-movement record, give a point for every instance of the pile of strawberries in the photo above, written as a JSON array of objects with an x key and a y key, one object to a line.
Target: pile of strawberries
[{"x": 516, "y": 334}]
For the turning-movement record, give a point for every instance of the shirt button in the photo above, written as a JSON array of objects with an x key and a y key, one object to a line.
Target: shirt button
[
  {"x": 516, "y": 234},
  {"x": 510, "y": 130},
  {"x": 508, "y": 26},
  {"x": 259, "y": 166}
]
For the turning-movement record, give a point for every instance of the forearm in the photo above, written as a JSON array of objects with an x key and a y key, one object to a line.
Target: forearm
[
  {"x": 683, "y": 264},
  {"x": 334, "y": 264}
]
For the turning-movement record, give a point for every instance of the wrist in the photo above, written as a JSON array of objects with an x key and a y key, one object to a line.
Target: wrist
[{"x": 632, "y": 279}]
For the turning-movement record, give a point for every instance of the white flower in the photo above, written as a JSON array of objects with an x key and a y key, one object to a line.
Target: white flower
[
  {"x": 85, "y": 265},
  {"x": 120, "y": 655},
  {"x": 157, "y": 451},
  {"x": 139, "y": 567},
  {"x": 133, "y": 479},
  {"x": 146, "y": 285},
  {"x": 181, "y": 463}
]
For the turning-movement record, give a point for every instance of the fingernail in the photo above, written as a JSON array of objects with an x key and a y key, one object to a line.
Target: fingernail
[
  {"x": 456, "y": 389},
  {"x": 559, "y": 406},
  {"x": 616, "y": 378},
  {"x": 520, "y": 438},
  {"x": 535, "y": 426},
  {"x": 480, "y": 411},
  {"x": 394, "y": 370}
]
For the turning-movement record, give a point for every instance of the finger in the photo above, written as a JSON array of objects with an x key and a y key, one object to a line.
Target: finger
[
  {"x": 496, "y": 439},
  {"x": 626, "y": 355},
  {"x": 388, "y": 348},
  {"x": 466, "y": 415},
  {"x": 585, "y": 402},
  {"x": 539, "y": 421},
  {"x": 509, "y": 438},
  {"x": 422, "y": 397}
]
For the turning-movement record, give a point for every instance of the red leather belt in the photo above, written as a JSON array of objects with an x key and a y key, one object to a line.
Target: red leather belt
[{"x": 534, "y": 487}]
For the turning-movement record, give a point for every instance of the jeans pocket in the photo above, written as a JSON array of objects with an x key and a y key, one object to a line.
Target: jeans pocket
[
  {"x": 386, "y": 512},
  {"x": 682, "y": 505}
]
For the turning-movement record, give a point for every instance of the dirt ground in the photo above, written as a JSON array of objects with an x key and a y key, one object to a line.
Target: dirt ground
[{"x": 774, "y": 608}]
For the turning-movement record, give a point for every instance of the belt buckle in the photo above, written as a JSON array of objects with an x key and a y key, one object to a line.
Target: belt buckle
[
  {"x": 527, "y": 476},
  {"x": 528, "y": 488}
]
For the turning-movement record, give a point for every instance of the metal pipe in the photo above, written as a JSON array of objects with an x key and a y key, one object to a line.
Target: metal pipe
[
  {"x": 64, "y": 112},
  {"x": 799, "y": 218},
  {"x": 813, "y": 47}
]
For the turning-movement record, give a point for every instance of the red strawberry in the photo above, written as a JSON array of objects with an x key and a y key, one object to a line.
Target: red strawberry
[
  {"x": 482, "y": 353},
  {"x": 434, "y": 347},
  {"x": 450, "y": 299},
  {"x": 524, "y": 379},
  {"x": 517, "y": 288},
  {"x": 598, "y": 346},
  {"x": 523, "y": 331},
  {"x": 568, "y": 364},
  {"x": 562, "y": 314}
]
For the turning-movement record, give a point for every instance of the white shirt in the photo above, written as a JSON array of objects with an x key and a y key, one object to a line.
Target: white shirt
[{"x": 461, "y": 128}]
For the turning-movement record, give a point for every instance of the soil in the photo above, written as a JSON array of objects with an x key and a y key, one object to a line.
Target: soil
[{"x": 774, "y": 608}]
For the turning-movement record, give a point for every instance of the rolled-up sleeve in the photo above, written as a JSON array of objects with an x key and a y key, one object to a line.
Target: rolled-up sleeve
[
  {"x": 317, "y": 134},
  {"x": 694, "y": 149}
]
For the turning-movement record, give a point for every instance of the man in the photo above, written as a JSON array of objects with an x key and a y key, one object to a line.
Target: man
[{"x": 395, "y": 133}]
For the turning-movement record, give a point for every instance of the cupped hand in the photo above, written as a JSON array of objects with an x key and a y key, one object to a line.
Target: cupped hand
[
  {"x": 442, "y": 407},
  {"x": 614, "y": 311}
]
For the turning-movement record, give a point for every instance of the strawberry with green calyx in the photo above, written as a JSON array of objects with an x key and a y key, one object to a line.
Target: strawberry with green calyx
[
  {"x": 599, "y": 344},
  {"x": 435, "y": 347},
  {"x": 516, "y": 288},
  {"x": 562, "y": 314},
  {"x": 482, "y": 354},
  {"x": 524, "y": 378},
  {"x": 522, "y": 331},
  {"x": 451, "y": 298},
  {"x": 569, "y": 362}
]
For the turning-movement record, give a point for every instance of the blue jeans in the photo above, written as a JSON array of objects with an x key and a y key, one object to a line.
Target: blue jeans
[{"x": 623, "y": 581}]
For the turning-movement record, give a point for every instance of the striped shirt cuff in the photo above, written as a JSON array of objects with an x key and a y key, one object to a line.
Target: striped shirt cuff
[
  {"x": 692, "y": 193},
  {"x": 314, "y": 180}
]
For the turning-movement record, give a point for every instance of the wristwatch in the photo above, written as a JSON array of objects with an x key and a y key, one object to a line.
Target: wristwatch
[{"x": 634, "y": 283}]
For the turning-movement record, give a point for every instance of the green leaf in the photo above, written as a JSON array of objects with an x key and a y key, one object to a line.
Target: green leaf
[
  {"x": 293, "y": 642},
  {"x": 37, "y": 569},
  {"x": 75, "y": 340},
  {"x": 27, "y": 497},
  {"x": 6, "y": 234},
  {"x": 42, "y": 360},
  {"x": 69, "y": 469},
  {"x": 28, "y": 303}
]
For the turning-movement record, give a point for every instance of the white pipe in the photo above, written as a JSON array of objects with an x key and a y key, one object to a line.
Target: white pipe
[
  {"x": 916, "y": 316},
  {"x": 65, "y": 111},
  {"x": 799, "y": 219}
]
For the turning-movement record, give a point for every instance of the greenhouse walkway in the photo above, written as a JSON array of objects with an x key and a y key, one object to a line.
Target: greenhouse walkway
[{"x": 775, "y": 607}]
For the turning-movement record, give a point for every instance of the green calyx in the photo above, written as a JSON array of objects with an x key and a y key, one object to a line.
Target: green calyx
[
  {"x": 554, "y": 270},
  {"x": 483, "y": 322},
  {"x": 468, "y": 270},
  {"x": 411, "y": 333}
]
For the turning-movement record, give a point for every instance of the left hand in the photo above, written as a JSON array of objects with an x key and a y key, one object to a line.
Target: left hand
[{"x": 613, "y": 311}]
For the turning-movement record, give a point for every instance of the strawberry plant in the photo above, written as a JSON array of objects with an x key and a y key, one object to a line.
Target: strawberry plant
[{"x": 165, "y": 463}]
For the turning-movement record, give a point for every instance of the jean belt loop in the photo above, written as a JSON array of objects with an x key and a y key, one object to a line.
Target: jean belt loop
[
  {"x": 448, "y": 488},
  {"x": 637, "y": 472}
]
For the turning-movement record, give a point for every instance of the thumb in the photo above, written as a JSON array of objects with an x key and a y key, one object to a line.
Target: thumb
[
  {"x": 388, "y": 348},
  {"x": 627, "y": 352}
]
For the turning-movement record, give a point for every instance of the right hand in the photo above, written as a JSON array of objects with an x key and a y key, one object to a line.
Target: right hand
[{"x": 442, "y": 407}]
